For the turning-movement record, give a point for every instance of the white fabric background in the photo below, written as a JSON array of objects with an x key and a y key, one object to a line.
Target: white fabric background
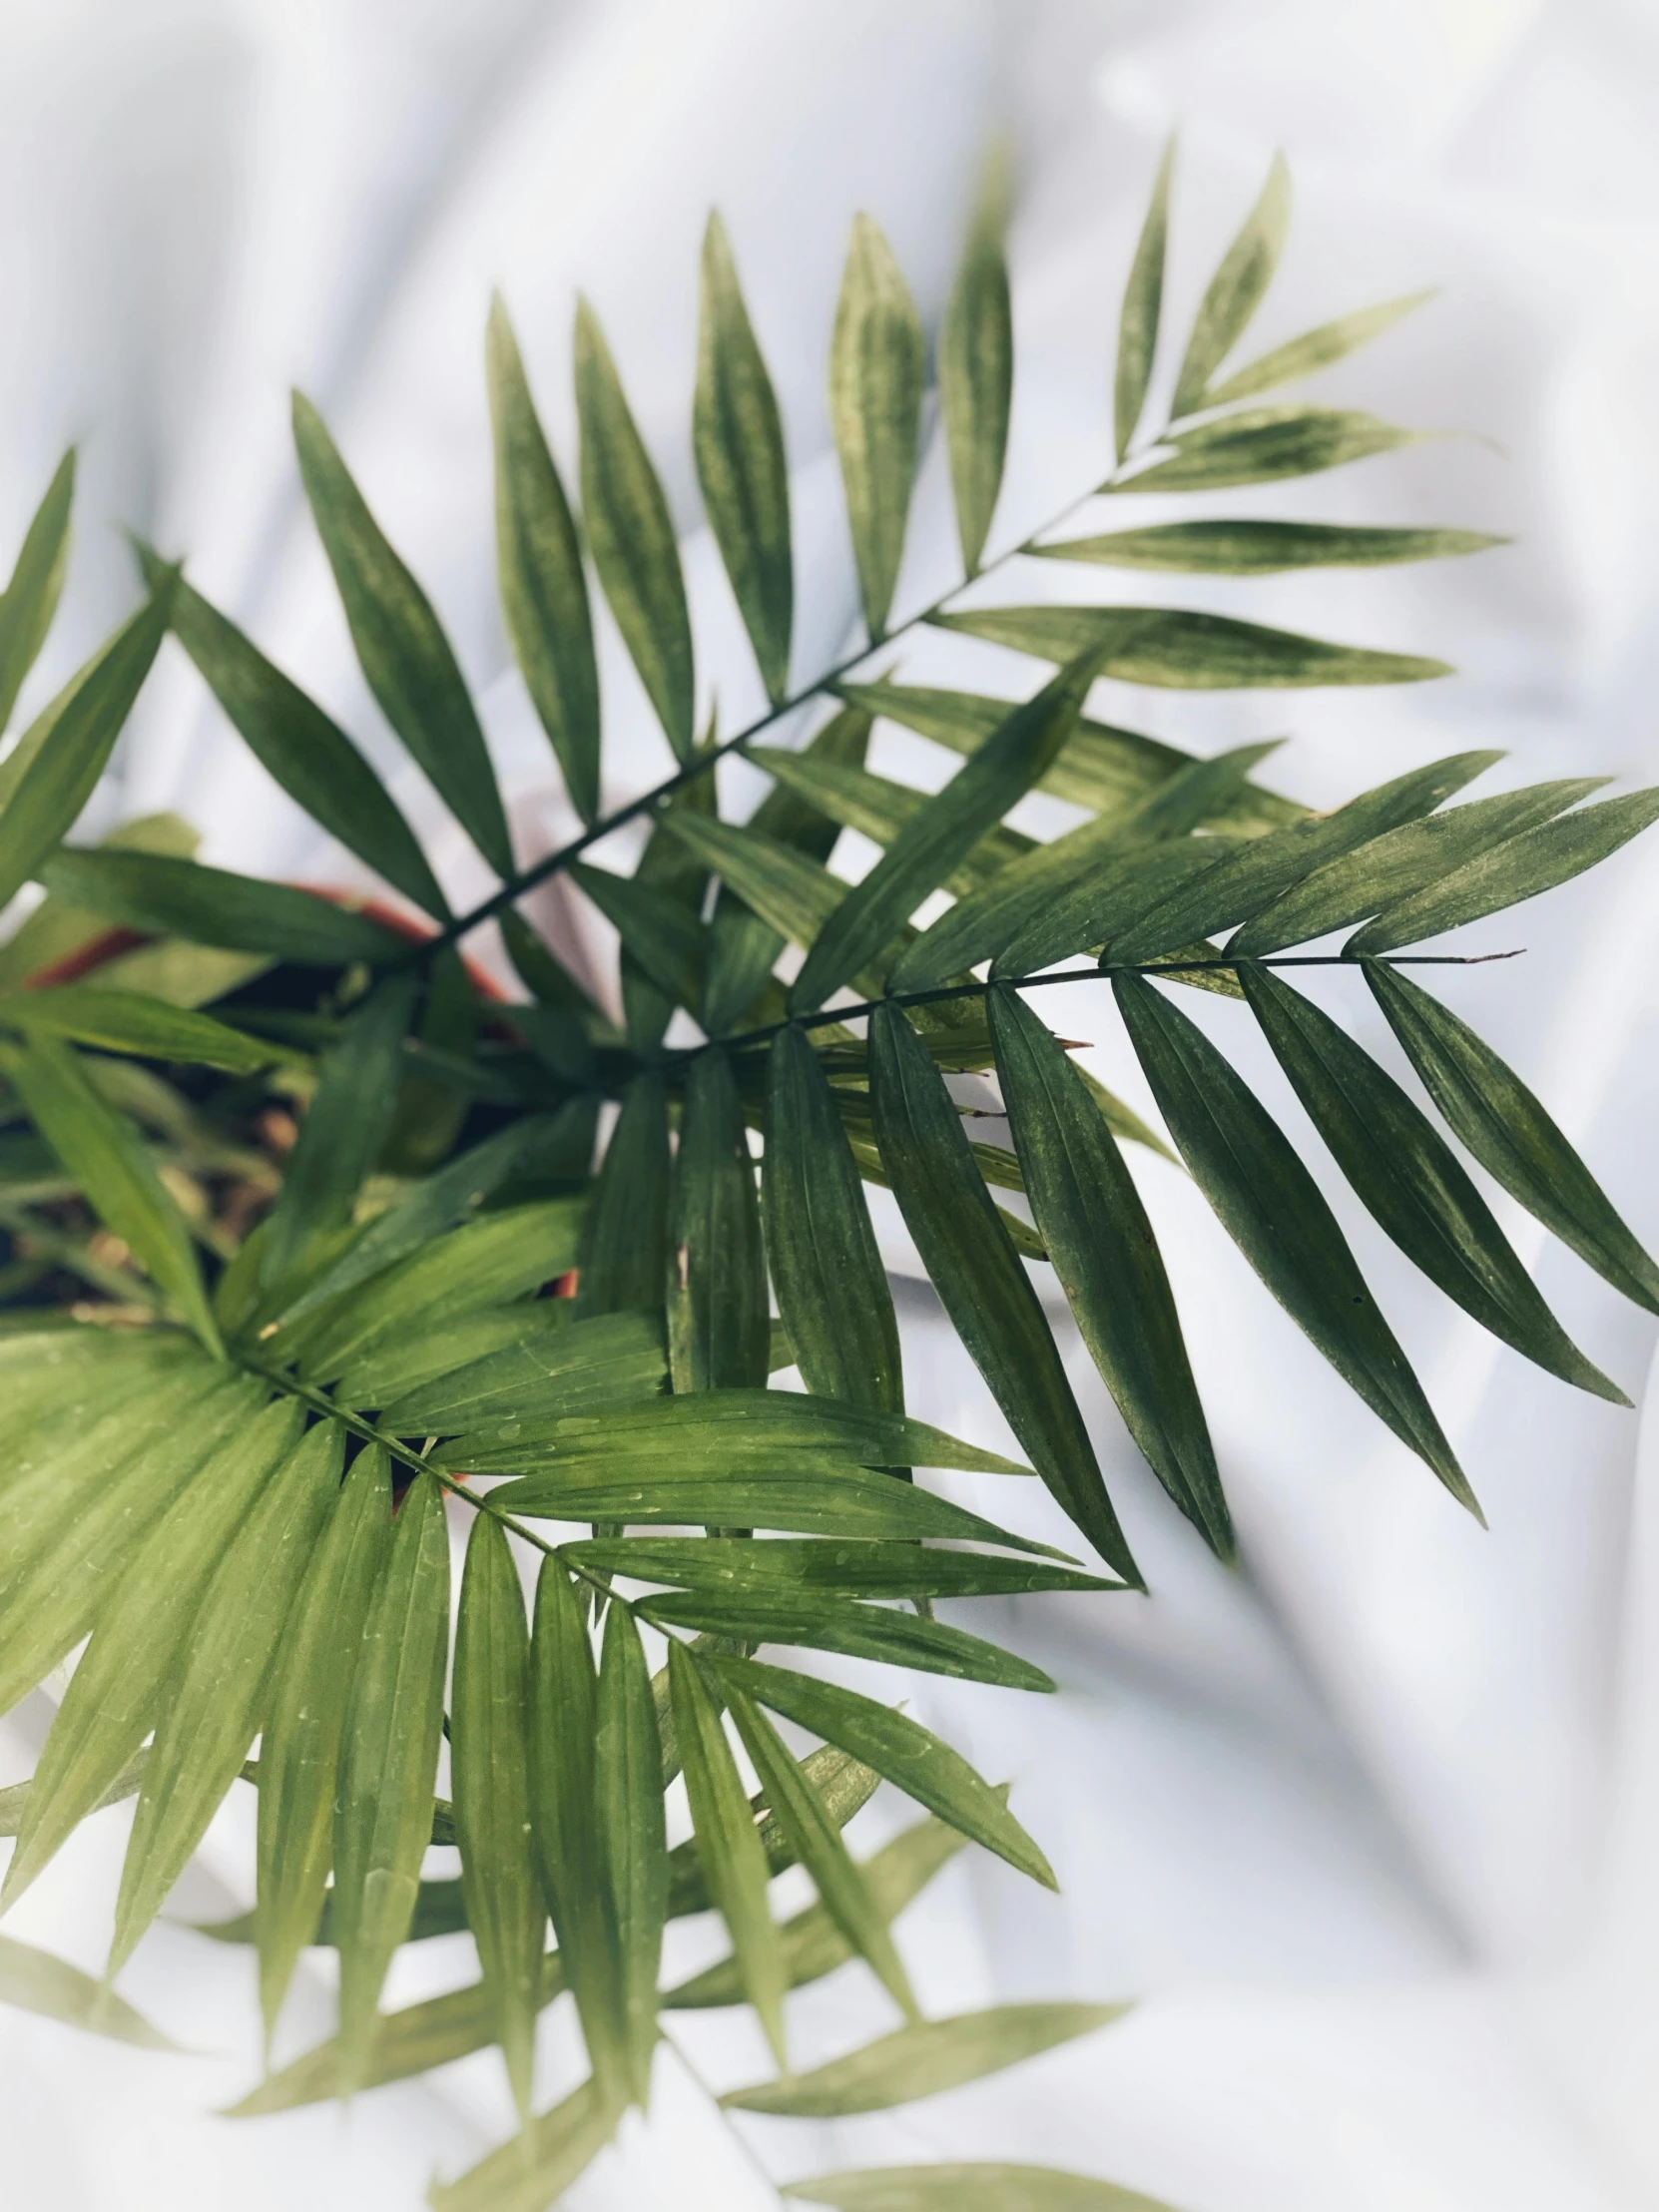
[{"x": 1369, "y": 1826}]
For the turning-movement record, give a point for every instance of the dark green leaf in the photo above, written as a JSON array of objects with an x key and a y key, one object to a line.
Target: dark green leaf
[
  {"x": 390, "y": 1756},
  {"x": 729, "y": 1844},
  {"x": 664, "y": 954},
  {"x": 1491, "y": 1111},
  {"x": 211, "y": 905},
  {"x": 624, "y": 1261},
  {"x": 1264, "y": 445},
  {"x": 217, "y": 1698},
  {"x": 1235, "y": 291},
  {"x": 980, "y": 2188},
  {"x": 305, "y": 1721},
  {"x": 60, "y": 756},
  {"x": 116, "y": 1693},
  {"x": 30, "y": 599},
  {"x": 300, "y": 746},
  {"x": 738, "y": 440},
  {"x": 1404, "y": 861},
  {"x": 1138, "y": 320},
  {"x": 980, "y": 1280},
  {"x": 842, "y": 1890},
  {"x": 718, "y": 1336},
  {"x": 1315, "y": 349},
  {"x": 976, "y": 366},
  {"x": 782, "y": 1568},
  {"x": 1409, "y": 1180},
  {"x": 1175, "y": 649},
  {"x": 898, "y": 1748},
  {"x": 790, "y": 892},
  {"x": 827, "y": 1623},
  {"x": 1107, "y": 1258},
  {"x": 1252, "y": 875},
  {"x": 934, "y": 840},
  {"x": 107, "y": 1157},
  {"x": 832, "y": 1289},
  {"x": 1263, "y": 548},
  {"x": 490, "y": 1754},
  {"x": 1274, "y": 1210},
  {"x": 629, "y": 1794},
  {"x": 664, "y": 936},
  {"x": 632, "y": 538},
  {"x": 123, "y": 1022},
  {"x": 408, "y": 663},
  {"x": 922, "y": 2059},
  {"x": 876, "y": 378},
  {"x": 35, "y": 1982},
  {"x": 544, "y": 592},
  {"x": 543, "y": 974},
  {"x": 881, "y": 808},
  {"x": 1519, "y": 870}
]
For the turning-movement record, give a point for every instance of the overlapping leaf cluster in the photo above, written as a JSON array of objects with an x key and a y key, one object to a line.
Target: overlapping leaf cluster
[{"x": 307, "y": 1232}]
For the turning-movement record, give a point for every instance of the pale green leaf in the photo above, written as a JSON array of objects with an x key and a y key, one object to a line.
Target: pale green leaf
[
  {"x": 876, "y": 378},
  {"x": 1315, "y": 349},
  {"x": 1171, "y": 648},
  {"x": 572, "y": 1369},
  {"x": 526, "y": 2174},
  {"x": 976, "y": 366},
  {"x": 35, "y": 1982},
  {"x": 123, "y": 1022},
  {"x": 977, "y": 2188},
  {"x": 1138, "y": 320},
  {"x": 1264, "y": 445},
  {"x": 926, "y": 2058},
  {"x": 820, "y": 1622},
  {"x": 778, "y": 1567},
  {"x": 30, "y": 599},
  {"x": 1235, "y": 291},
  {"x": 1263, "y": 548}
]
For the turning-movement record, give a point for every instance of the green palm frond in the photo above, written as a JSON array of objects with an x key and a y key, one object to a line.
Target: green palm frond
[{"x": 307, "y": 1248}]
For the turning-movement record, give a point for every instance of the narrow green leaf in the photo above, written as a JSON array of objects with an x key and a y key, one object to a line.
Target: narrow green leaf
[
  {"x": 389, "y": 1758},
  {"x": 1274, "y": 1210},
  {"x": 1491, "y": 1111},
  {"x": 538, "y": 555},
  {"x": 979, "y": 1278},
  {"x": 1553, "y": 853},
  {"x": 820, "y": 1622},
  {"x": 790, "y": 892},
  {"x": 35, "y": 1982},
  {"x": 729, "y": 1844},
  {"x": 343, "y": 1130},
  {"x": 211, "y": 905},
  {"x": 216, "y": 1702},
  {"x": 116, "y": 1693},
  {"x": 782, "y": 1567},
  {"x": 922, "y": 2059},
  {"x": 1406, "y": 859},
  {"x": 630, "y": 535},
  {"x": 490, "y": 1754},
  {"x": 842, "y": 1890},
  {"x": 564, "y": 1810},
  {"x": 1409, "y": 1180},
  {"x": 734, "y": 1431},
  {"x": 1098, "y": 766},
  {"x": 718, "y": 1336},
  {"x": 1171, "y": 648},
  {"x": 913, "y": 1760},
  {"x": 664, "y": 936},
  {"x": 574, "y": 1368},
  {"x": 304, "y": 1723},
  {"x": 1264, "y": 445},
  {"x": 14, "y": 1797},
  {"x": 881, "y": 808},
  {"x": 300, "y": 747},
  {"x": 738, "y": 440},
  {"x": 106, "y": 1156},
  {"x": 1315, "y": 349},
  {"x": 30, "y": 599},
  {"x": 624, "y": 1261},
  {"x": 628, "y": 1793},
  {"x": 815, "y": 1943},
  {"x": 1143, "y": 298},
  {"x": 832, "y": 1290},
  {"x": 1235, "y": 291},
  {"x": 1263, "y": 548},
  {"x": 60, "y": 756},
  {"x": 406, "y": 660},
  {"x": 440, "y": 1203},
  {"x": 876, "y": 379},
  {"x": 977, "y": 2188},
  {"x": 657, "y": 973},
  {"x": 123, "y": 1022},
  {"x": 1107, "y": 1258},
  {"x": 1247, "y": 880},
  {"x": 543, "y": 974},
  {"x": 526, "y": 2174},
  {"x": 976, "y": 366},
  {"x": 925, "y": 851}
]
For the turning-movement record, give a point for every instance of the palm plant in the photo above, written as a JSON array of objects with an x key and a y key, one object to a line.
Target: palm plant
[{"x": 307, "y": 1237}]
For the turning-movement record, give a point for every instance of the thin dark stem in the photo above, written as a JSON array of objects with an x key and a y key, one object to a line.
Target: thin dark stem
[
  {"x": 553, "y": 863},
  {"x": 949, "y": 991}
]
